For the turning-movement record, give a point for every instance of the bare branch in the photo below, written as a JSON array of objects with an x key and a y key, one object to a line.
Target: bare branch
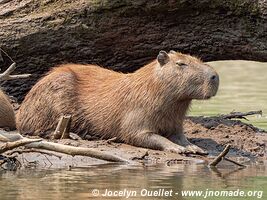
[
  {"x": 21, "y": 151},
  {"x": 6, "y": 74},
  {"x": 240, "y": 115},
  {"x": 66, "y": 149},
  {"x": 12, "y": 145},
  {"x": 7, "y": 55},
  {"x": 234, "y": 162},
  {"x": 220, "y": 156},
  {"x": 74, "y": 151}
]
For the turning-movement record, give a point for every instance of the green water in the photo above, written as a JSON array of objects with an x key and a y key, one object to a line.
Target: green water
[
  {"x": 80, "y": 183},
  {"x": 243, "y": 87}
]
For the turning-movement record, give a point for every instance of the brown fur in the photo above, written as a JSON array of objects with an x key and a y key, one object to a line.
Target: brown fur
[
  {"x": 143, "y": 108},
  {"x": 7, "y": 115}
]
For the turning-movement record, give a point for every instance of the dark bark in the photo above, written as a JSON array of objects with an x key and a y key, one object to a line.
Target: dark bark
[{"x": 124, "y": 35}]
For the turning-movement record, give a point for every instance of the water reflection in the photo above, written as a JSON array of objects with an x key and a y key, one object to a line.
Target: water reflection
[{"x": 79, "y": 183}]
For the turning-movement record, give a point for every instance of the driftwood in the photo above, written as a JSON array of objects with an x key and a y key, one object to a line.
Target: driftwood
[
  {"x": 12, "y": 145},
  {"x": 22, "y": 151},
  {"x": 60, "y": 148},
  {"x": 221, "y": 157},
  {"x": 240, "y": 115}
]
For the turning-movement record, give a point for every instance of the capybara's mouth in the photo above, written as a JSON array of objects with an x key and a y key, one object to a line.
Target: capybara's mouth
[
  {"x": 210, "y": 95},
  {"x": 207, "y": 97}
]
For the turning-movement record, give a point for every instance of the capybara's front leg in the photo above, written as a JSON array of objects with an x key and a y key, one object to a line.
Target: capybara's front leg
[
  {"x": 154, "y": 141},
  {"x": 180, "y": 139}
]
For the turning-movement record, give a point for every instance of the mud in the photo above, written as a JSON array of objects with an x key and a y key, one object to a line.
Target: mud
[{"x": 211, "y": 133}]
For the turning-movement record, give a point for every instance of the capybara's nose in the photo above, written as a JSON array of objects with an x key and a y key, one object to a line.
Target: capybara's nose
[{"x": 214, "y": 77}]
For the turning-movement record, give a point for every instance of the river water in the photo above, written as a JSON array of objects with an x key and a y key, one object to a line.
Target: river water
[
  {"x": 243, "y": 88},
  {"x": 139, "y": 181}
]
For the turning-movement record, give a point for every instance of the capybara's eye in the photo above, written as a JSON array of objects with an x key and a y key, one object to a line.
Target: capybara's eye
[{"x": 181, "y": 64}]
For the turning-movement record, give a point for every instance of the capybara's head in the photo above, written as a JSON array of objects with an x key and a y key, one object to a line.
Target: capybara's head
[{"x": 187, "y": 76}]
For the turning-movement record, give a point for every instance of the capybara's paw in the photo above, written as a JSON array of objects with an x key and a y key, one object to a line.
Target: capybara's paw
[
  {"x": 176, "y": 149},
  {"x": 191, "y": 148}
]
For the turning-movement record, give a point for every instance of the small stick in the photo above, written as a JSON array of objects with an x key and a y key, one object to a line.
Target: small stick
[
  {"x": 220, "y": 156},
  {"x": 240, "y": 114},
  {"x": 63, "y": 128},
  {"x": 109, "y": 141},
  {"x": 48, "y": 160},
  {"x": 234, "y": 162},
  {"x": 7, "y": 55}
]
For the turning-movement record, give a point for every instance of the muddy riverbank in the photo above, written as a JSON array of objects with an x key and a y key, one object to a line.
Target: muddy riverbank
[{"x": 211, "y": 133}]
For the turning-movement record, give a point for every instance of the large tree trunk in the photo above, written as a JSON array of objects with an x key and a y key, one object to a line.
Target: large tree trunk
[{"x": 124, "y": 35}]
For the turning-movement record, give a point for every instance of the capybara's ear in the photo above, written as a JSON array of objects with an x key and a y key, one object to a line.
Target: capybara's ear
[
  {"x": 163, "y": 58},
  {"x": 172, "y": 51}
]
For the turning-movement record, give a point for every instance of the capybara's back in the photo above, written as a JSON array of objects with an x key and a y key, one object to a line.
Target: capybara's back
[
  {"x": 80, "y": 90},
  {"x": 145, "y": 108},
  {"x": 7, "y": 115}
]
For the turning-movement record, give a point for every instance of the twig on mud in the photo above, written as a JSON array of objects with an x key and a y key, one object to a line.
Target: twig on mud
[
  {"x": 48, "y": 160},
  {"x": 240, "y": 115},
  {"x": 109, "y": 141},
  {"x": 66, "y": 149},
  {"x": 21, "y": 151},
  {"x": 63, "y": 128},
  {"x": 220, "y": 156},
  {"x": 234, "y": 162}
]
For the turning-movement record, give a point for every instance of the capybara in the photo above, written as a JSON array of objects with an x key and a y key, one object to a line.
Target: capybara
[
  {"x": 145, "y": 108},
  {"x": 7, "y": 115}
]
